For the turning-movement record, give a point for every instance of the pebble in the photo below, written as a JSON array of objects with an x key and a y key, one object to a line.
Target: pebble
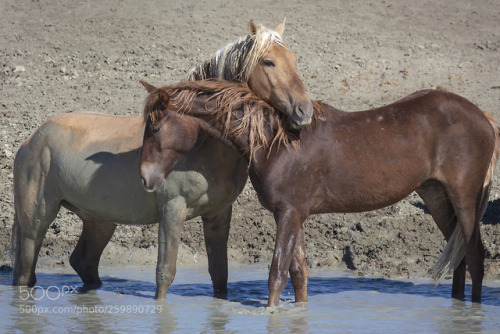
[
  {"x": 18, "y": 69},
  {"x": 8, "y": 153}
]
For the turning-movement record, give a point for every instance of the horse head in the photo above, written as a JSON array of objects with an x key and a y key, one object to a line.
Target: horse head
[
  {"x": 262, "y": 60},
  {"x": 167, "y": 138},
  {"x": 274, "y": 77}
]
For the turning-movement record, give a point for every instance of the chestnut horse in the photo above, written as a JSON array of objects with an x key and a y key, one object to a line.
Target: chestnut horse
[
  {"x": 433, "y": 142},
  {"x": 89, "y": 164}
]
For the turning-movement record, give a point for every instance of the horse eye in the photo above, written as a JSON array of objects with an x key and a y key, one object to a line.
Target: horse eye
[
  {"x": 155, "y": 129},
  {"x": 269, "y": 63}
]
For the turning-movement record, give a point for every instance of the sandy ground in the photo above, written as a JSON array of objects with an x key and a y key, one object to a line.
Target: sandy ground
[{"x": 64, "y": 56}]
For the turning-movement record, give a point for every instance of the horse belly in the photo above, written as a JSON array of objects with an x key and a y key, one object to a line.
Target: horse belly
[
  {"x": 358, "y": 190},
  {"x": 109, "y": 189}
]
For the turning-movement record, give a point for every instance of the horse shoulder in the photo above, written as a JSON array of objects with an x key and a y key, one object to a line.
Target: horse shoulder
[{"x": 206, "y": 186}]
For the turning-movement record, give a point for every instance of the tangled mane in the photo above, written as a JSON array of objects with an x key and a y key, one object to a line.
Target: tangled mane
[
  {"x": 223, "y": 99},
  {"x": 236, "y": 61}
]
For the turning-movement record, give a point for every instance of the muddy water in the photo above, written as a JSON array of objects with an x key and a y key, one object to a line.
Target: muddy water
[{"x": 338, "y": 303}]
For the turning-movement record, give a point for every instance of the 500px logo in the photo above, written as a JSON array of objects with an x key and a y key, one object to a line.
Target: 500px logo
[{"x": 52, "y": 292}]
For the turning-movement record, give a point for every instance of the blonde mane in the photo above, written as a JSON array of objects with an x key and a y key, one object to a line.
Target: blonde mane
[
  {"x": 237, "y": 60},
  {"x": 223, "y": 99}
]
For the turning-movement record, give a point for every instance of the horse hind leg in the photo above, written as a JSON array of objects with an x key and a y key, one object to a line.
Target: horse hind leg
[
  {"x": 441, "y": 209},
  {"x": 31, "y": 221},
  {"x": 475, "y": 253},
  {"x": 87, "y": 253},
  {"x": 468, "y": 201}
]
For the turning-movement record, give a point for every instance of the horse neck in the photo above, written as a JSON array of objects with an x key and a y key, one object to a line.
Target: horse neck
[
  {"x": 229, "y": 133},
  {"x": 218, "y": 131}
]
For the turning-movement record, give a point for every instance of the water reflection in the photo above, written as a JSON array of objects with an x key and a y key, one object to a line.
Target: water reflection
[
  {"x": 298, "y": 323},
  {"x": 462, "y": 317},
  {"x": 166, "y": 321},
  {"x": 219, "y": 318},
  {"x": 336, "y": 302},
  {"x": 26, "y": 311}
]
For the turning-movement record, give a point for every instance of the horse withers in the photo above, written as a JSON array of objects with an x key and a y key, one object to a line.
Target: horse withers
[
  {"x": 89, "y": 164},
  {"x": 433, "y": 142}
]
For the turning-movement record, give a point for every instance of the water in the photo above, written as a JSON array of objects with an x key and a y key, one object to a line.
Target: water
[{"x": 338, "y": 303}]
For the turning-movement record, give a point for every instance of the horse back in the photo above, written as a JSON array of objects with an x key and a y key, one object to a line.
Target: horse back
[
  {"x": 91, "y": 162},
  {"x": 360, "y": 161}
]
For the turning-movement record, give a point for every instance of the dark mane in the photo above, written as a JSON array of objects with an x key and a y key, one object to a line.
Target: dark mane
[{"x": 223, "y": 98}]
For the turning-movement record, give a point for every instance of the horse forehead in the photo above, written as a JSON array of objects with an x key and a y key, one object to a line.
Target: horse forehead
[
  {"x": 174, "y": 126},
  {"x": 280, "y": 51}
]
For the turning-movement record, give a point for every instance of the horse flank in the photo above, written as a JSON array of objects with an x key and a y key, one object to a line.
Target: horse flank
[
  {"x": 237, "y": 60},
  {"x": 226, "y": 98}
]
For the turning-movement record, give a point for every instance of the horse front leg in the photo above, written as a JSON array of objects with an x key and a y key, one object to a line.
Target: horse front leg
[
  {"x": 299, "y": 272},
  {"x": 216, "y": 231},
  {"x": 169, "y": 234},
  {"x": 289, "y": 224}
]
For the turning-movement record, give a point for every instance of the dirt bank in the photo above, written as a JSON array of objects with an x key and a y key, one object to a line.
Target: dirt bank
[{"x": 64, "y": 56}]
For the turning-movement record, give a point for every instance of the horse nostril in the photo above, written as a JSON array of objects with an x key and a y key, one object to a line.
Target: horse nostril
[
  {"x": 143, "y": 181},
  {"x": 300, "y": 111}
]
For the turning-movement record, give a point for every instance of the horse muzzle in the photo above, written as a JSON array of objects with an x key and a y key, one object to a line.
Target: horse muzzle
[
  {"x": 301, "y": 115},
  {"x": 152, "y": 179}
]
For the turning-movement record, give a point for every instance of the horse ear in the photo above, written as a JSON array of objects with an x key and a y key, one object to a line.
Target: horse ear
[
  {"x": 163, "y": 97},
  {"x": 252, "y": 28},
  {"x": 149, "y": 88},
  {"x": 281, "y": 28}
]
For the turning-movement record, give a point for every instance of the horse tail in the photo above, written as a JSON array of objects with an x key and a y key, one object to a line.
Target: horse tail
[
  {"x": 494, "y": 158},
  {"x": 452, "y": 255}
]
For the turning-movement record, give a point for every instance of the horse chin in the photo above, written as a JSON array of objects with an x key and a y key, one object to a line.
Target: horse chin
[
  {"x": 299, "y": 125},
  {"x": 150, "y": 190}
]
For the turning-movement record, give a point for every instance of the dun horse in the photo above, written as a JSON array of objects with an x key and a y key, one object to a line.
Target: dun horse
[
  {"x": 89, "y": 163},
  {"x": 433, "y": 142}
]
